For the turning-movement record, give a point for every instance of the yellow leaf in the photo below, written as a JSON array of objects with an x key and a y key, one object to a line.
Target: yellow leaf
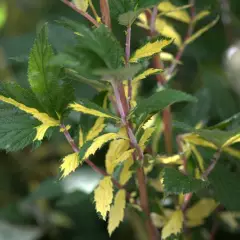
[
  {"x": 80, "y": 108},
  {"x": 82, "y": 4},
  {"x": 233, "y": 152},
  {"x": 158, "y": 220},
  {"x": 194, "y": 222},
  {"x": 150, "y": 49},
  {"x": 98, "y": 143},
  {"x": 70, "y": 163},
  {"x": 174, "y": 225},
  {"x": 198, "y": 157},
  {"x": 200, "y": 16},
  {"x": 103, "y": 196},
  {"x": 42, "y": 117},
  {"x": 201, "y": 31},
  {"x": 196, "y": 140},
  {"x": 145, "y": 137},
  {"x": 96, "y": 129},
  {"x": 230, "y": 219},
  {"x": 124, "y": 156},
  {"x": 150, "y": 122},
  {"x": 145, "y": 74},
  {"x": 174, "y": 12},
  {"x": 143, "y": 22},
  {"x": 175, "y": 159},
  {"x": 41, "y": 130},
  {"x": 116, "y": 214},
  {"x": 169, "y": 31},
  {"x": 126, "y": 173},
  {"x": 201, "y": 210},
  {"x": 115, "y": 150},
  {"x": 80, "y": 138},
  {"x": 232, "y": 140}
]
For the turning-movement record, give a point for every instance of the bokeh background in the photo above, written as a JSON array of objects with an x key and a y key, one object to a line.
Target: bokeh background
[{"x": 34, "y": 203}]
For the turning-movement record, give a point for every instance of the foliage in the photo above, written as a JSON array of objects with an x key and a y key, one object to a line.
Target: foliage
[{"x": 172, "y": 190}]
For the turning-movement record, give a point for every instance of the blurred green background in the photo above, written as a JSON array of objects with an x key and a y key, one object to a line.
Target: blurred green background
[{"x": 34, "y": 203}]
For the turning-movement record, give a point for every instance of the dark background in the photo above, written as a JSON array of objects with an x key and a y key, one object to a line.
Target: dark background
[{"x": 34, "y": 203}]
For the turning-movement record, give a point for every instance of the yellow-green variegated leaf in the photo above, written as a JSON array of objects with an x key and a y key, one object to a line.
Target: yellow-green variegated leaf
[
  {"x": 145, "y": 74},
  {"x": 96, "y": 129},
  {"x": 69, "y": 164},
  {"x": 201, "y": 15},
  {"x": 99, "y": 142},
  {"x": 126, "y": 172},
  {"x": 175, "y": 159},
  {"x": 174, "y": 225},
  {"x": 124, "y": 156},
  {"x": 42, "y": 117},
  {"x": 150, "y": 49},
  {"x": 200, "y": 32},
  {"x": 201, "y": 210},
  {"x": 82, "y": 4},
  {"x": 167, "y": 30},
  {"x": 116, "y": 148},
  {"x": 116, "y": 214},
  {"x": 103, "y": 196},
  {"x": 145, "y": 137},
  {"x": 174, "y": 12}
]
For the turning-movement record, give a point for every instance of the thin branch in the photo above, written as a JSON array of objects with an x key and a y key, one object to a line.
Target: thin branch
[
  {"x": 89, "y": 162},
  {"x": 106, "y": 18},
  {"x": 84, "y": 14},
  {"x": 94, "y": 10},
  {"x": 188, "y": 35}
]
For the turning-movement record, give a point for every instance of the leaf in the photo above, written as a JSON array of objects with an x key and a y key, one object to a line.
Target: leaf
[
  {"x": 116, "y": 214},
  {"x": 145, "y": 74},
  {"x": 17, "y": 129},
  {"x": 200, "y": 16},
  {"x": 96, "y": 129},
  {"x": 3, "y": 14},
  {"x": 82, "y": 4},
  {"x": 103, "y": 196},
  {"x": 70, "y": 163},
  {"x": 118, "y": 74},
  {"x": 167, "y": 30},
  {"x": 230, "y": 219},
  {"x": 226, "y": 187},
  {"x": 176, "y": 182},
  {"x": 199, "y": 211},
  {"x": 126, "y": 172},
  {"x": 99, "y": 142},
  {"x": 125, "y": 156},
  {"x": 42, "y": 77},
  {"x": 127, "y": 19},
  {"x": 87, "y": 107},
  {"x": 175, "y": 159},
  {"x": 150, "y": 49},
  {"x": 145, "y": 137},
  {"x": 202, "y": 31},
  {"x": 116, "y": 147},
  {"x": 41, "y": 130},
  {"x": 174, "y": 12},
  {"x": 174, "y": 225},
  {"x": 161, "y": 100}
]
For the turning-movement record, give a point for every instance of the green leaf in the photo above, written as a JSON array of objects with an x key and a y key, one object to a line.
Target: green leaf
[
  {"x": 176, "y": 182},
  {"x": 161, "y": 100},
  {"x": 44, "y": 77},
  {"x": 17, "y": 129},
  {"x": 218, "y": 137},
  {"x": 3, "y": 14},
  {"x": 120, "y": 74},
  {"x": 226, "y": 187},
  {"x": 126, "y": 11}
]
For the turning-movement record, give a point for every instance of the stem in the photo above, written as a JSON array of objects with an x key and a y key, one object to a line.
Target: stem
[
  {"x": 188, "y": 35},
  {"x": 157, "y": 63},
  {"x": 127, "y": 57},
  {"x": 93, "y": 10},
  {"x": 84, "y": 14},
  {"x": 89, "y": 162},
  {"x": 105, "y": 13}
]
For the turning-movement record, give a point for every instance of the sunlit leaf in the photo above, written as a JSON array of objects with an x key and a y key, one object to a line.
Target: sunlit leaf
[
  {"x": 3, "y": 14},
  {"x": 145, "y": 137},
  {"x": 145, "y": 74},
  {"x": 149, "y": 49},
  {"x": 82, "y": 4},
  {"x": 96, "y": 129},
  {"x": 116, "y": 213},
  {"x": 174, "y": 225},
  {"x": 201, "y": 15},
  {"x": 103, "y": 196},
  {"x": 70, "y": 163}
]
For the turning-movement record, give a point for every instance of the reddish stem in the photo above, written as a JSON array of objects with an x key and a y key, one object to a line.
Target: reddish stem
[
  {"x": 104, "y": 6},
  {"x": 84, "y": 14}
]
